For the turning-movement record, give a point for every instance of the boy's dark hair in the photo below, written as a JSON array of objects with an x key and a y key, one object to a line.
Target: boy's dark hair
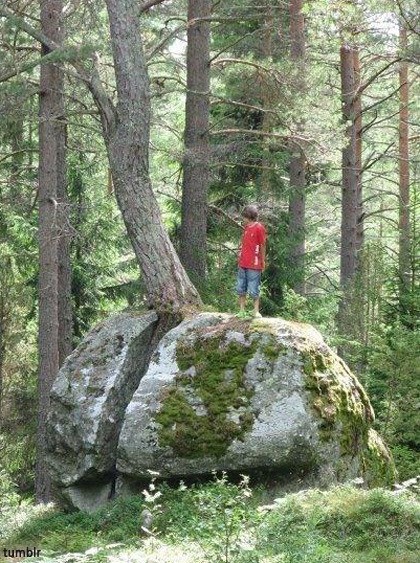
[{"x": 250, "y": 212}]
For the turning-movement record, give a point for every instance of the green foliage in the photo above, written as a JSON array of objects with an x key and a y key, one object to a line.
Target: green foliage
[
  {"x": 217, "y": 516},
  {"x": 225, "y": 522},
  {"x": 318, "y": 311},
  {"x": 342, "y": 525},
  {"x": 393, "y": 382},
  {"x": 57, "y": 532},
  {"x": 8, "y": 491},
  {"x": 17, "y": 357},
  {"x": 101, "y": 275}
]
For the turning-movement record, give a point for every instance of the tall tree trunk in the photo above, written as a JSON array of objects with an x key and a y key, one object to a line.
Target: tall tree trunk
[
  {"x": 126, "y": 131},
  {"x": 267, "y": 95},
  {"x": 350, "y": 195},
  {"x": 65, "y": 316},
  {"x": 50, "y": 147},
  {"x": 358, "y": 125},
  {"x": 193, "y": 241},
  {"x": 349, "y": 202},
  {"x": 297, "y": 197},
  {"x": 404, "y": 178}
]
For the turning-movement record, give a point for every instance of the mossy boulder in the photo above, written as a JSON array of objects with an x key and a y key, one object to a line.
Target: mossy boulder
[{"x": 237, "y": 395}]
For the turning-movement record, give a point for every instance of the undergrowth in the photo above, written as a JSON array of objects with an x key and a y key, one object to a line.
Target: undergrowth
[{"x": 225, "y": 522}]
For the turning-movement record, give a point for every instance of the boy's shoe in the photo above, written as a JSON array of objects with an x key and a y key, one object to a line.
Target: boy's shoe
[{"x": 257, "y": 315}]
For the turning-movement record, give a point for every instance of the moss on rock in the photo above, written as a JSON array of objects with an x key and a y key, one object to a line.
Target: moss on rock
[
  {"x": 208, "y": 404},
  {"x": 346, "y": 414},
  {"x": 377, "y": 462},
  {"x": 218, "y": 385}
]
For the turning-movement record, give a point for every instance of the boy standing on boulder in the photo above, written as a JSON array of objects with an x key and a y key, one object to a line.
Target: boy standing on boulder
[{"x": 251, "y": 260}]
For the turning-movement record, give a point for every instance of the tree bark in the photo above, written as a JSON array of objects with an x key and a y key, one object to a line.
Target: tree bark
[
  {"x": 50, "y": 147},
  {"x": 404, "y": 264},
  {"x": 358, "y": 125},
  {"x": 126, "y": 132},
  {"x": 193, "y": 238},
  {"x": 349, "y": 202},
  {"x": 65, "y": 313},
  {"x": 265, "y": 186},
  {"x": 297, "y": 180}
]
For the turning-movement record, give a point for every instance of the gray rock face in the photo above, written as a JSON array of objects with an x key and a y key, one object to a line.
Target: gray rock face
[
  {"x": 224, "y": 394},
  {"x": 88, "y": 402},
  {"x": 219, "y": 393}
]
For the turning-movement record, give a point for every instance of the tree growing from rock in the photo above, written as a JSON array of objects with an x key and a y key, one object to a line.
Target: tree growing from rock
[{"x": 126, "y": 133}]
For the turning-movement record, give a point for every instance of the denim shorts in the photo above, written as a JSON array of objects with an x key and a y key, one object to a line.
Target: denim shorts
[{"x": 248, "y": 281}]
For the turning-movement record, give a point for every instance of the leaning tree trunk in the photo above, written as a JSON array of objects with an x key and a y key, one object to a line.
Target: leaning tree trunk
[
  {"x": 51, "y": 139},
  {"x": 193, "y": 240},
  {"x": 126, "y": 132},
  {"x": 297, "y": 197},
  {"x": 404, "y": 179}
]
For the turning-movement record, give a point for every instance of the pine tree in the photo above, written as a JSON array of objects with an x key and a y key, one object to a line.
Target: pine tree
[{"x": 193, "y": 235}]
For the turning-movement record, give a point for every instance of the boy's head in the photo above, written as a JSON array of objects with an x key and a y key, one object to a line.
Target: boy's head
[{"x": 250, "y": 213}]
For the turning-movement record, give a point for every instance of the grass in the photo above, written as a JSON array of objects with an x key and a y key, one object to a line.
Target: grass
[{"x": 221, "y": 521}]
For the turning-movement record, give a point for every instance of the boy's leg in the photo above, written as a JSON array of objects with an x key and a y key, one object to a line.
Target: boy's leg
[
  {"x": 241, "y": 287},
  {"x": 257, "y": 307},
  {"x": 254, "y": 282}
]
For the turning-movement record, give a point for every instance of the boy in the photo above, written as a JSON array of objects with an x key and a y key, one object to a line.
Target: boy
[{"x": 251, "y": 260}]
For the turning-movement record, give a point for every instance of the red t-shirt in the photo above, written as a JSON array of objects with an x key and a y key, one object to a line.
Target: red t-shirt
[{"x": 253, "y": 237}]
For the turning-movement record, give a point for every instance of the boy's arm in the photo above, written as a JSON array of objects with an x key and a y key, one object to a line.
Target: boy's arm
[
  {"x": 263, "y": 244},
  {"x": 263, "y": 249}
]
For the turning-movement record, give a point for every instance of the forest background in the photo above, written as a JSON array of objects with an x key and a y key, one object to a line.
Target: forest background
[{"x": 309, "y": 109}]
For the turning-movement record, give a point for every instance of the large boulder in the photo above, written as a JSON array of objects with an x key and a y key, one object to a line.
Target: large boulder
[
  {"x": 219, "y": 393},
  {"x": 88, "y": 402},
  {"x": 226, "y": 394}
]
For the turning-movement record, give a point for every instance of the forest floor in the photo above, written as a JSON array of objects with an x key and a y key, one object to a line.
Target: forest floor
[{"x": 221, "y": 522}]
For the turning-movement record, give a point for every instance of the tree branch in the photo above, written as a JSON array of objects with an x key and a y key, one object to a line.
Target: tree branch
[
  {"x": 90, "y": 78},
  {"x": 414, "y": 27},
  {"x": 243, "y": 62},
  {"x": 255, "y": 132},
  {"x": 368, "y": 82},
  {"x": 220, "y": 100},
  {"x": 165, "y": 40},
  {"x": 147, "y": 5}
]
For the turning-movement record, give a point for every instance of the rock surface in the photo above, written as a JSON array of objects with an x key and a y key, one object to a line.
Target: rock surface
[
  {"x": 218, "y": 394},
  {"x": 225, "y": 394},
  {"x": 88, "y": 402}
]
